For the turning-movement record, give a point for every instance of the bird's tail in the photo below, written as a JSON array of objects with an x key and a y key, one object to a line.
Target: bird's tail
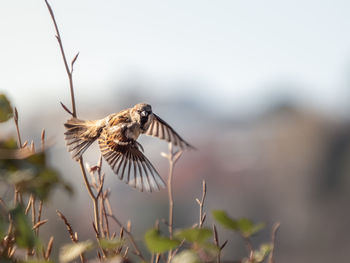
[{"x": 79, "y": 136}]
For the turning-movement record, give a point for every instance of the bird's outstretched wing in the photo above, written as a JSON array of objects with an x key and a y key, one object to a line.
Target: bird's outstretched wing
[
  {"x": 129, "y": 163},
  {"x": 80, "y": 135},
  {"x": 162, "y": 130}
]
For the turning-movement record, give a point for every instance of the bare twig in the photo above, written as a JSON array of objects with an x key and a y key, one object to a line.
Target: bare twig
[
  {"x": 131, "y": 238},
  {"x": 72, "y": 63},
  {"x": 49, "y": 248},
  {"x": 73, "y": 236},
  {"x": 69, "y": 72},
  {"x": 66, "y": 109},
  {"x": 40, "y": 223},
  {"x": 43, "y": 140},
  {"x": 125, "y": 255},
  {"x": 217, "y": 243},
  {"x": 74, "y": 113},
  {"x": 39, "y": 214},
  {"x": 33, "y": 210},
  {"x": 29, "y": 205},
  {"x": 172, "y": 157},
  {"x": 179, "y": 247},
  {"x": 202, "y": 215},
  {"x": 249, "y": 246},
  {"x": 69, "y": 227},
  {"x": 17, "y": 196},
  {"x": 15, "y": 117},
  {"x": 157, "y": 258},
  {"x": 273, "y": 234}
]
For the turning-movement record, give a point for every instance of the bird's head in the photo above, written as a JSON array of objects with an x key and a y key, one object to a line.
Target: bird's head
[{"x": 142, "y": 113}]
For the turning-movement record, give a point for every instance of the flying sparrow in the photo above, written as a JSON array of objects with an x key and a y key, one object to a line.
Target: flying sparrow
[{"x": 117, "y": 134}]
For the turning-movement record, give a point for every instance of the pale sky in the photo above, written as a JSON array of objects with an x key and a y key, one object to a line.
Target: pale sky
[{"x": 230, "y": 54}]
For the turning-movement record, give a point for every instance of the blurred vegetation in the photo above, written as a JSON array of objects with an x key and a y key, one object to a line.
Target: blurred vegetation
[{"x": 27, "y": 177}]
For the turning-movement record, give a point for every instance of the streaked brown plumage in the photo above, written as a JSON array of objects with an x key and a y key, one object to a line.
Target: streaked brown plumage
[{"x": 117, "y": 135}]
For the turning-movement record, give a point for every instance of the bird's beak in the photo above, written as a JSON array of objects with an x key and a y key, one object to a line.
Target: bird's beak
[{"x": 144, "y": 114}]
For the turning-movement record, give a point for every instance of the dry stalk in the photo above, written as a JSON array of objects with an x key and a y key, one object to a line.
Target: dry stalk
[
  {"x": 249, "y": 246},
  {"x": 202, "y": 215},
  {"x": 69, "y": 71},
  {"x": 131, "y": 238},
  {"x": 217, "y": 243},
  {"x": 29, "y": 205},
  {"x": 69, "y": 227},
  {"x": 18, "y": 195},
  {"x": 73, "y": 235},
  {"x": 39, "y": 215},
  {"x": 106, "y": 210},
  {"x": 49, "y": 248},
  {"x": 172, "y": 157},
  {"x": 38, "y": 224},
  {"x": 273, "y": 234},
  {"x": 15, "y": 117}
]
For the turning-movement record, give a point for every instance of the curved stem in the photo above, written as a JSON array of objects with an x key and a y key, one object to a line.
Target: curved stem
[{"x": 74, "y": 113}]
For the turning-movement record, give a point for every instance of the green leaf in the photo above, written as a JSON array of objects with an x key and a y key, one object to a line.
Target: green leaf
[
  {"x": 256, "y": 228},
  {"x": 23, "y": 231},
  {"x": 194, "y": 235},
  {"x": 5, "y": 108},
  {"x": 262, "y": 253},
  {"x": 110, "y": 243},
  {"x": 159, "y": 244},
  {"x": 247, "y": 227},
  {"x": 10, "y": 143},
  {"x": 186, "y": 256},
  {"x": 71, "y": 251},
  {"x": 221, "y": 217}
]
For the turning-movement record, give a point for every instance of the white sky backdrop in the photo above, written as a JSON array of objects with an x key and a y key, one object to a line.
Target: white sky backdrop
[{"x": 237, "y": 54}]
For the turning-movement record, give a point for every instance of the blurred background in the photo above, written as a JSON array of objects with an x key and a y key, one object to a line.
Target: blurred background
[{"x": 261, "y": 88}]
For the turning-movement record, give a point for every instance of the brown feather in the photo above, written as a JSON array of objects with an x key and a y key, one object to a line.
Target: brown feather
[
  {"x": 162, "y": 130},
  {"x": 124, "y": 157}
]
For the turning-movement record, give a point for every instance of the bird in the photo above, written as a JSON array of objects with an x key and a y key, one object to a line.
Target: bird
[{"x": 117, "y": 136}]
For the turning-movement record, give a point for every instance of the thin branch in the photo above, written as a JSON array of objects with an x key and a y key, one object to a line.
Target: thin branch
[
  {"x": 49, "y": 248},
  {"x": 72, "y": 63},
  {"x": 273, "y": 234},
  {"x": 33, "y": 211},
  {"x": 93, "y": 197},
  {"x": 73, "y": 236},
  {"x": 170, "y": 196},
  {"x": 172, "y": 158},
  {"x": 202, "y": 215},
  {"x": 69, "y": 73},
  {"x": 74, "y": 112},
  {"x": 249, "y": 246},
  {"x": 43, "y": 140},
  {"x": 68, "y": 225},
  {"x": 40, "y": 223},
  {"x": 39, "y": 215},
  {"x": 217, "y": 243},
  {"x": 29, "y": 204},
  {"x": 131, "y": 238},
  {"x": 66, "y": 109},
  {"x": 15, "y": 117},
  {"x": 18, "y": 195}
]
